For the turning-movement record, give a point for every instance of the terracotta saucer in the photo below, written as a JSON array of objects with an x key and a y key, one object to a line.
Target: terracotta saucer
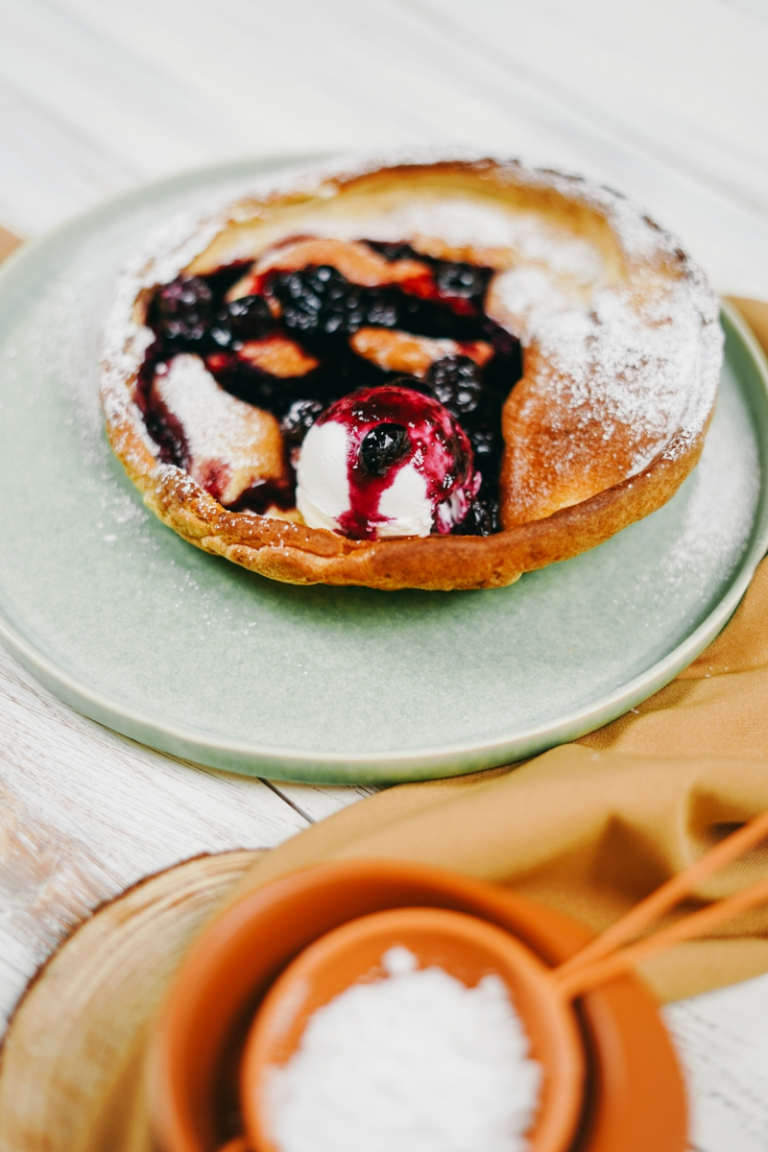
[{"x": 636, "y": 1099}]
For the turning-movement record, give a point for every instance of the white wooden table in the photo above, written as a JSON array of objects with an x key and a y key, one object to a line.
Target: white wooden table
[{"x": 667, "y": 100}]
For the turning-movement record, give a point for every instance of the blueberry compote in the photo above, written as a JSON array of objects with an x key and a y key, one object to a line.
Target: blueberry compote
[{"x": 287, "y": 349}]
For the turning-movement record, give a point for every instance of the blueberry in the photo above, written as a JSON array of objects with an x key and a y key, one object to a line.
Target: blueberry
[
  {"x": 181, "y": 311},
  {"x": 299, "y": 419},
  {"x": 482, "y": 519},
  {"x": 247, "y": 318},
  {"x": 485, "y": 439},
  {"x": 381, "y": 309},
  {"x": 319, "y": 301},
  {"x": 382, "y": 447},
  {"x": 221, "y": 335},
  {"x": 457, "y": 383},
  {"x": 467, "y": 281}
]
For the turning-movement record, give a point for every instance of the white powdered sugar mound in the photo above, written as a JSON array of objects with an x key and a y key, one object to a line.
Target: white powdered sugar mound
[{"x": 416, "y": 1062}]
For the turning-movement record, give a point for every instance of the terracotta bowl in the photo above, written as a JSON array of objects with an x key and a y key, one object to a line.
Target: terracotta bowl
[
  {"x": 466, "y": 947},
  {"x": 635, "y": 1100}
]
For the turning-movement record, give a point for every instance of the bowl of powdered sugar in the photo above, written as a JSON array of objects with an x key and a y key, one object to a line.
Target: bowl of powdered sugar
[
  {"x": 403, "y": 1029},
  {"x": 415, "y": 1060},
  {"x": 383, "y": 1004}
]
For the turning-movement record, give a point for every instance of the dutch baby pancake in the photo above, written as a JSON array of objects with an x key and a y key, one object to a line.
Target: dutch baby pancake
[{"x": 416, "y": 374}]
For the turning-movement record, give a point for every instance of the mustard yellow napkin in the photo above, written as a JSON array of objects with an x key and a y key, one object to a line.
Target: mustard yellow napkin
[{"x": 590, "y": 828}]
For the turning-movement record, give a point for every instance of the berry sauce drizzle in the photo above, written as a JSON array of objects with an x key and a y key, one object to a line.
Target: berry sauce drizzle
[{"x": 307, "y": 316}]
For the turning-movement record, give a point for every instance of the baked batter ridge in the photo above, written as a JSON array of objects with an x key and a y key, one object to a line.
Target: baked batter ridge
[{"x": 621, "y": 357}]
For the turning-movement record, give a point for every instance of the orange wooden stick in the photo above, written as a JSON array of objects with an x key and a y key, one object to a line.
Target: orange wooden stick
[
  {"x": 670, "y": 894},
  {"x": 579, "y": 980}
]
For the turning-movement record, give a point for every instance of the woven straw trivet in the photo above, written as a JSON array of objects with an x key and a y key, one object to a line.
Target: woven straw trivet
[{"x": 70, "y": 1078}]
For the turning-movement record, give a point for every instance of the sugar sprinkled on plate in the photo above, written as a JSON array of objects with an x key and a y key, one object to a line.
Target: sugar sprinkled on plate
[{"x": 416, "y": 1061}]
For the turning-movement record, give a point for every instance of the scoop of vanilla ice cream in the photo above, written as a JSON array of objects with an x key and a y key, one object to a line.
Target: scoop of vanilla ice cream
[
  {"x": 323, "y": 493},
  {"x": 385, "y": 462},
  {"x": 406, "y": 505},
  {"x": 322, "y": 481}
]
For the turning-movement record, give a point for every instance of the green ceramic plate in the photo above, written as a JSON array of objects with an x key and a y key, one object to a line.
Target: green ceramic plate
[{"x": 135, "y": 628}]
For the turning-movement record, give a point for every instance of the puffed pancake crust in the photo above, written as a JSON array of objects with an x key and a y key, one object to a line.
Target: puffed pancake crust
[{"x": 621, "y": 351}]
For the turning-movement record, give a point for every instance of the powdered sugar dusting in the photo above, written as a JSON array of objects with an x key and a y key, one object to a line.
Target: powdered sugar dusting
[
  {"x": 642, "y": 359},
  {"x": 461, "y": 221},
  {"x": 224, "y": 436},
  {"x": 167, "y": 251},
  {"x": 719, "y": 513},
  {"x": 632, "y": 362}
]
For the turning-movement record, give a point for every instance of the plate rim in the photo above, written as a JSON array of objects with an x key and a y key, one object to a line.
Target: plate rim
[{"x": 305, "y": 765}]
